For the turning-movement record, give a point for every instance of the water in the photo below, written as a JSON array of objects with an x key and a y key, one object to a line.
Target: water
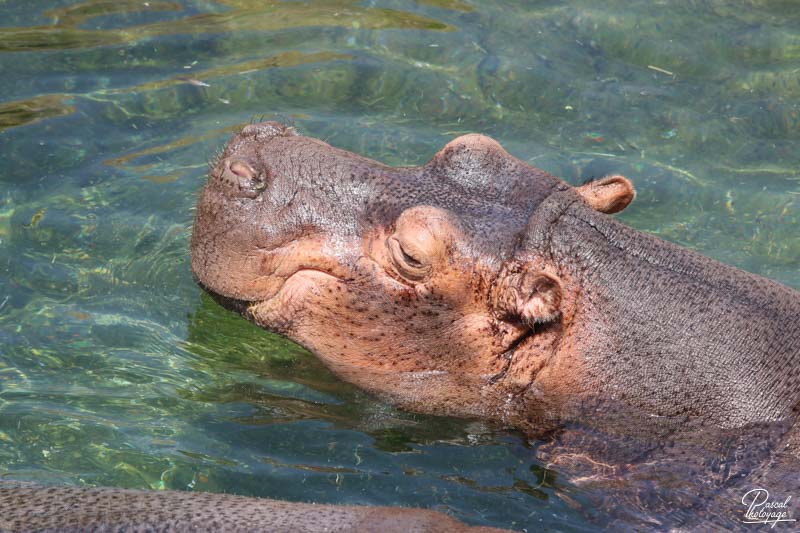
[{"x": 115, "y": 370}]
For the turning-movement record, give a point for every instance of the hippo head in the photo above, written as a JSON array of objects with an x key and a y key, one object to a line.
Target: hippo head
[{"x": 431, "y": 286}]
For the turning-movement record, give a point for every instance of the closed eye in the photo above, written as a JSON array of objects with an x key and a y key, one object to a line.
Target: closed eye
[
  {"x": 405, "y": 264},
  {"x": 409, "y": 258}
]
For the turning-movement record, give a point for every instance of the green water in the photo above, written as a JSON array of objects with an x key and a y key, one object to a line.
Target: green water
[{"x": 115, "y": 370}]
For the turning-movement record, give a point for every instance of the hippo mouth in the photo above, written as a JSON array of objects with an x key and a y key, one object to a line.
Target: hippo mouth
[
  {"x": 242, "y": 305},
  {"x": 231, "y": 304},
  {"x": 238, "y": 281}
]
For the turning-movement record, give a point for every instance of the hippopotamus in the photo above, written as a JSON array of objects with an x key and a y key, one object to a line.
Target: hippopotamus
[{"x": 478, "y": 286}]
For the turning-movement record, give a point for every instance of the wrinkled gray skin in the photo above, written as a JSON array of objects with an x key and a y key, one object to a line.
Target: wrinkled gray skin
[{"x": 663, "y": 383}]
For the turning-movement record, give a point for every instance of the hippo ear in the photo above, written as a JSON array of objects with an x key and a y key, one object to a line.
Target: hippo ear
[
  {"x": 529, "y": 295},
  {"x": 611, "y": 194}
]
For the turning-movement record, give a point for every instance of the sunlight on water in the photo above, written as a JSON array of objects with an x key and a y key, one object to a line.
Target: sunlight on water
[{"x": 115, "y": 370}]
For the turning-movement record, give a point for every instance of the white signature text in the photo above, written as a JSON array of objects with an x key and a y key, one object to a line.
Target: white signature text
[{"x": 760, "y": 510}]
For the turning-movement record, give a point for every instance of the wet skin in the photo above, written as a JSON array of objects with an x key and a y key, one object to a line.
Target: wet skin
[{"x": 479, "y": 286}]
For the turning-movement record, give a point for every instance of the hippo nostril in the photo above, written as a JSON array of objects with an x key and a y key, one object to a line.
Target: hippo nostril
[
  {"x": 242, "y": 169},
  {"x": 240, "y": 179}
]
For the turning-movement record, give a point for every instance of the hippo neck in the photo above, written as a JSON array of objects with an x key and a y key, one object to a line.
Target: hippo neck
[{"x": 668, "y": 331}]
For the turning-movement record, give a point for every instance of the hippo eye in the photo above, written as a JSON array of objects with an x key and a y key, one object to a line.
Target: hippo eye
[
  {"x": 408, "y": 264},
  {"x": 409, "y": 260}
]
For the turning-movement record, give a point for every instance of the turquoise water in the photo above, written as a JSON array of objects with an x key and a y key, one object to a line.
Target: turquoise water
[{"x": 116, "y": 371}]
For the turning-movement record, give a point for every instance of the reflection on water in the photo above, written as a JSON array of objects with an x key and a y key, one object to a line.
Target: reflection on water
[
  {"x": 243, "y": 15},
  {"x": 284, "y": 59},
  {"x": 72, "y": 15},
  {"x": 37, "y": 108},
  {"x": 114, "y": 370}
]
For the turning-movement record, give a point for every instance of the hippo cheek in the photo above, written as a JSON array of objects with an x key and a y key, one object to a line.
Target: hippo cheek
[
  {"x": 334, "y": 319},
  {"x": 357, "y": 334}
]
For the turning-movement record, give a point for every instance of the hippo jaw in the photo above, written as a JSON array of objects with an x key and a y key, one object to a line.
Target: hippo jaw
[{"x": 402, "y": 280}]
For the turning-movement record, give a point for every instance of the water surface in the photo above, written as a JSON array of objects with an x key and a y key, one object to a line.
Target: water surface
[{"x": 115, "y": 370}]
